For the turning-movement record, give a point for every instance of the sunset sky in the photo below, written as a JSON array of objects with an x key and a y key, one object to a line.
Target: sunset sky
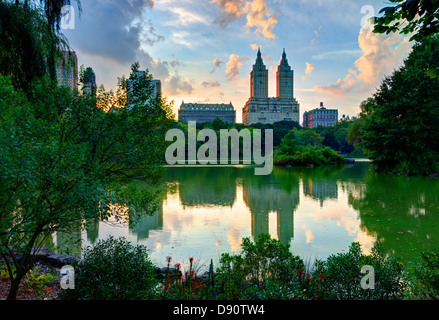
[{"x": 203, "y": 50}]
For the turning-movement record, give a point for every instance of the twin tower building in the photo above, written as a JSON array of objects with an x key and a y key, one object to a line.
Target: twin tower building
[
  {"x": 259, "y": 108},
  {"x": 262, "y": 109}
]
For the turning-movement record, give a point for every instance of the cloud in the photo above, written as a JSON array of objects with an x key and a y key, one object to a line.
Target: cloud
[
  {"x": 217, "y": 63},
  {"x": 184, "y": 38},
  {"x": 234, "y": 65},
  {"x": 231, "y": 10},
  {"x": 316, "y": 33},
  {"x": 254, "y": 46},
  {"x": 257, "y": 15},
  {"x": 119, "y": 39},
  {"x": 172, "y": 84},
  {"x": 381, "y": 55},
  {"x": 150, "y": 36},
  {"x": 340, "y": 54},
  {"x": 176, "y": 85},
  {"x": 210, "y": 84},
  {"x": 309, "y": 68},
  {"x": 183, "y": 17}
]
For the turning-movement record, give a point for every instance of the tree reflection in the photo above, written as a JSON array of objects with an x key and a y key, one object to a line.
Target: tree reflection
[{"x": 401, "y": 212}]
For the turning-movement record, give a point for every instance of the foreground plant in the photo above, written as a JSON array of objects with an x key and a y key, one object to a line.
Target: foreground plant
[
  {"x": 66, "y": 160},
  {"x": 114, "y": 269}
]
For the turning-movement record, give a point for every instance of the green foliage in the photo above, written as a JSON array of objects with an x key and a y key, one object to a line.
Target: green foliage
[
  {"x": 113, "y": 269},
  {"x": 426, "y": 279},
  {"x": 416, "y": 17},
  {"x": 290, "y": 153},
  {"x": 266, "y": 270},
  {"x": 308, "y": 137},
  {"x": 65, "y": 160},
  {"x": 86, "y": 75},
  {"x": 38, "y": 282},
  {"x": 28, "y": 45},
  {"x": 259, "y": 268},
  {"x": 400, "y": 134},
  {"x": 339, "y": 276}
]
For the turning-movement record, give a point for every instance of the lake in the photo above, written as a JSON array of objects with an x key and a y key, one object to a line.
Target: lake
[{"x": 206, "y": 211}]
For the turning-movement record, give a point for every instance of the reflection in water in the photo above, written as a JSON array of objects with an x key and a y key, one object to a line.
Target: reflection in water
[
  {"x": 277, "y": 193},
  {"x": 315, "y": 211},
  {"x": 401, "y": 212}
]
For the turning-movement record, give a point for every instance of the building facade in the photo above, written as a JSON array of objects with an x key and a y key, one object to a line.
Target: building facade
[
  {"x": 320, "y": 117},
  {"x": 156, "y": 87},
  {"x": 90, "y": 87},
  {"x": 67, "y": 70},
  {"x": 262, "y": 109},
  {"x": 206, "y": 112}
]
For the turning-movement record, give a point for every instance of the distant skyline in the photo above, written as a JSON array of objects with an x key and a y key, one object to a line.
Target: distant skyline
[{"x": 203, "y": 50}]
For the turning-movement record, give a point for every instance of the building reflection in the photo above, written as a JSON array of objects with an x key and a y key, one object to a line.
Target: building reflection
[
  {"x": 320, "y": 190},
  {"x": 207, "y": 186},
  {"x": 275, "y": 193},
  {"x": 69, "y": 242},
  {"x": 320, "y": 183},
  {"x": 145, "y": 223},
  {"x": 92, "y": 230}
]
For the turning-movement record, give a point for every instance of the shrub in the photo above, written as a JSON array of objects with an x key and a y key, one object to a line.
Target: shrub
[
  {"x": 339, "y": 276},
  {"x": 261, "y": 267},
  {"x": 113, "y": 269},
  {"x": 291, "y": 154},
  {"x": 426, "y": 278},
  {"x": 36, "y": 281}
]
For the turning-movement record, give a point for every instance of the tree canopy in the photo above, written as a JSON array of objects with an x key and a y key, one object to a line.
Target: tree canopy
[
  {"x": 67, "y": 159},
  {"x": 400, "y": 132},
  {"x": 420, "y": 18}
]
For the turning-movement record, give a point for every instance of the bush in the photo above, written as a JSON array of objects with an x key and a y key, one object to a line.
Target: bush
[
  {"x": 261, "y": 268},
  {"x": 113, "y": 269},
  {"x": 339, "y": 276},
  {"x": 426, "y": 280},
  {"x": 291, "y": 154},
  {"x": 38, "y": 282}
]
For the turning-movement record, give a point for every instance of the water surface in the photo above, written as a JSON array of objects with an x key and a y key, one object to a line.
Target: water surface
[{"x": 206, "y": 211}]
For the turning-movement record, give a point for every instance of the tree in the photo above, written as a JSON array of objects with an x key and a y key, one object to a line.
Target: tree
[
  {"x": 307, "y": 137},
  {"x": 53, "y": 11},
  {"x": 400, "y": 134},
  {"x": 24, "y": 44},
  {"x": 87, "y": 79},
  {"x": 281, "y": 128},
  {"x": 417, "y": 17},
  {"x": 354, "y": 134},
  {"x": 66, "y": 160},
  {"x": 219, "y": 124}
]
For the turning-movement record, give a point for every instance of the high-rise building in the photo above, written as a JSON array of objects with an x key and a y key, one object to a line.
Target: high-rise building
[
  {"x": 262, "y": 109},
  {"x": 67, "y": 70},
  {"x": 157, "y": 87},
  {"x": 259, "y": 79},
  {"x": 206, "y": 112},
  {"x": 89, "y": 87},
  {"x": 320, "y": 117},
  {"x": 285, "y": 79}
]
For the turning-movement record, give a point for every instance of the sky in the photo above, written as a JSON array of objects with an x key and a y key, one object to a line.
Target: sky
[{"x": 203, "y": 50}]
